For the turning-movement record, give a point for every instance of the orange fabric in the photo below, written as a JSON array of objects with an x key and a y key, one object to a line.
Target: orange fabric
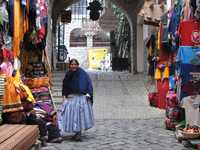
[
  {"x": 11, "y": 100},
  {"x": 26, "y": 22},
  {"x": 20, "y": 27}
]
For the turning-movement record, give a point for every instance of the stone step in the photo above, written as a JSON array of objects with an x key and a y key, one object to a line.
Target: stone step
[
  {"x": 57, "y": 99},
  {"x": 59, "y": 80},
  {"x": 57, "y": 94}
]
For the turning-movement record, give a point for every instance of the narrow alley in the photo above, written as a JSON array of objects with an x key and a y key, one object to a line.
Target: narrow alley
[
  {"x": 123, "y": 118},
  {"x": 99, "y": 74}
]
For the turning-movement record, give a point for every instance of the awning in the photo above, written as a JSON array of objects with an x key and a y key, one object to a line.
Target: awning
[{"x": 152, "y": 12}]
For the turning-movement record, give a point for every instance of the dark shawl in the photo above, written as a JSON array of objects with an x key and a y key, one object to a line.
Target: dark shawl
[{"x": 77, "y": 82}]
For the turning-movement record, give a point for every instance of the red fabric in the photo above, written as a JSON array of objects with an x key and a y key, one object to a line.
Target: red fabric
[
  {"x": 189, "y": 33},
  {"x": 170, "y": 124},
  {"x": 6, "y": 53},
  {"x": 162, "y": 88},
  {"x": 41, "y": 33},
  {"x": 171, "y": 99}
]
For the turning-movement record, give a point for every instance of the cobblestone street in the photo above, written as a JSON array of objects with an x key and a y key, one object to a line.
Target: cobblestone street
[{"x": 123, "y": 118}]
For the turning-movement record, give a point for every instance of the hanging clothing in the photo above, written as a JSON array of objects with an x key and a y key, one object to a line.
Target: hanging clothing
[
  {"x": 32, "y": 13},
  {"x": 175, "y": 19},
  {"x": 186, "y": 70},
  {"x": 11, "y": 16},
  {"x": 162, "y": 73},
  {"x": 20, "y": 27},
  {"x": 187, "y": 11},
  {"x": 162, "y": 89},
  {"x": 188, "y": 55},
  {"x": 188, "y": 32}
]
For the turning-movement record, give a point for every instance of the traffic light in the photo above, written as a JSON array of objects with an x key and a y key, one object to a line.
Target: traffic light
[{"x": 94, "y": 8}]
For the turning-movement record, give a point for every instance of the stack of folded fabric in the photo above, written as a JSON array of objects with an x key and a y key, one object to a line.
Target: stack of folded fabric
[{"x": 36, "y": 70}]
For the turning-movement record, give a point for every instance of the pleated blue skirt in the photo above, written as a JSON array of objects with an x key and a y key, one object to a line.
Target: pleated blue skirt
[{"x": 75, "y": 114}]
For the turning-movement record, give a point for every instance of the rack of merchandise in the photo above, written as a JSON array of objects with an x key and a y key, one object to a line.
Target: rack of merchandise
[{"x": 177, "y": 69}]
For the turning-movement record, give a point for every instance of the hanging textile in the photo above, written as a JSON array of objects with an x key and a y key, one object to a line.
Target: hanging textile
[
  {"x": 11, "y": 16},
  {"x": 20, "y": 27},
  {"x": 187, "y": 11},
  {"x": 162, "y": 89},
  {"x": 175, "y": 18},
  {"x": 189, "y": 33},
  {"x": 11, "y": 102},
  {"x": 188, "y": 55}
]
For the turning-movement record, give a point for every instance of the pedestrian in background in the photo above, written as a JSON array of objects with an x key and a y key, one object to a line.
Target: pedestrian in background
[{"x": 76, "y": 112}]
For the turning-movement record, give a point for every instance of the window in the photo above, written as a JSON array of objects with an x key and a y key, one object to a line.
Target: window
[
  {"x": 101, "y": 40},
  {"x": 76, "y": 39}
]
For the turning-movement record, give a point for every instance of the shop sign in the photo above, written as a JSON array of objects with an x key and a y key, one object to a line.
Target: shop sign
[{"x": 66, "y": 16}]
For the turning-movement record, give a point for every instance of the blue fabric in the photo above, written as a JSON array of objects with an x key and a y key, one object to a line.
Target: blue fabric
[
  {"x": 171, "y": 82},
  {"x": 75, "y": 114},
  {"x": 77, "y": 82},
  {"x": 187, "y": 55},
  {"x": 185, "y": 70},
  {"x": 175, "y": 18},
  {"x": 11, "y": 16},
  {"x": 23, "y": 3}
]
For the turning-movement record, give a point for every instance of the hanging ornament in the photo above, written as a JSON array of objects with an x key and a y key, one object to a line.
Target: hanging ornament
[{"x": 94, "y": 8}]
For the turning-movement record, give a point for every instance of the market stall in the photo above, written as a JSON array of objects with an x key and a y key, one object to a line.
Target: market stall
[
  {"x": 177, "y": 69},
  {"x": 25, "y": 96}
]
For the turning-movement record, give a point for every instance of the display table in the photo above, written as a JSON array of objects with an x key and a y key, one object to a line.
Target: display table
[{"x": 18, "y": 137}]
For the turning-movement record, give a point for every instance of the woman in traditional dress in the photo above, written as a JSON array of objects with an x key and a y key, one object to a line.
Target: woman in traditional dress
[{"x": 76, "y": 113}]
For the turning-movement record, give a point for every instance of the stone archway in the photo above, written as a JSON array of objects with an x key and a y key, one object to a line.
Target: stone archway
[{"x": 129, "y": 7}]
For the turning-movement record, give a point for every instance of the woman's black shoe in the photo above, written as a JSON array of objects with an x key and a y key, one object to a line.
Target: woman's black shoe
[{"x": 77, "y": 137}]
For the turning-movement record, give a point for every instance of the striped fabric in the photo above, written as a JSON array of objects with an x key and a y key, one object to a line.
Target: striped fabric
[
  {"x": 2, "y": 84},
  {"x": 75, "y": 114}
]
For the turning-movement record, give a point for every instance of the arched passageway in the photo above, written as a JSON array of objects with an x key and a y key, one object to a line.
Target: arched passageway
[{"x": 130, "y": 9}]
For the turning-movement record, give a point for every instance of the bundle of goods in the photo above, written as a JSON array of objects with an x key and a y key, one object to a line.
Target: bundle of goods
[{"x": 174, "y": 113}]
